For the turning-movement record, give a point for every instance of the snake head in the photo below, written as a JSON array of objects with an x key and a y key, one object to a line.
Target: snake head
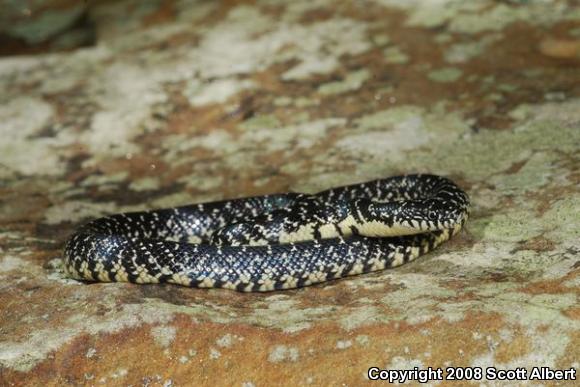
[{"x": 443, "y": 212}]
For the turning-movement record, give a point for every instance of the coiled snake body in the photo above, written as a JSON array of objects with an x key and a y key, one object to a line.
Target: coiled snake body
[{"x": 272, "y": 242}]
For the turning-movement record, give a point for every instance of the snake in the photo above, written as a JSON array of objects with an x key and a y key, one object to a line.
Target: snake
[{"x": 275, "y": 241}]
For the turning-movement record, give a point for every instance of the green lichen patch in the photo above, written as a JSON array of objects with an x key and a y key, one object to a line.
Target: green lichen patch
[
  {"x": 394, "y": 55},
  {"x": 563, "y": 219},
  {"x": 552, "y": 127},
  {"x": 389, "y": 134},
  {"x": 304, "y": 135},
  {"x": 445, "y": 75},
  {"x": 163, "y": 335},
  {"x": 75, "y": 211},
  {"x": 381, "y": 39},
  {"x": 473, "y": 17},
  {"x": 352, "y": 81},
  {"x": 23, "y": 120},
  {"x": 102, "y": 181},
  {"x": 216, "y": 92},
  {"x": 145, "y": 184},
  {"x": 536, "y": 172},
  {"x": 261, "y": 122},
  {"x": 464, "y": 52}
]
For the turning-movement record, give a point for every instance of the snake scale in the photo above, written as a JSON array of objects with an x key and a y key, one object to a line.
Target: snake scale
[{"x": 272, "y": 242}]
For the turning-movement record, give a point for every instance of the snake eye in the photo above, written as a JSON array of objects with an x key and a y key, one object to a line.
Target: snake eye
[{"x": 432, "y": 215}]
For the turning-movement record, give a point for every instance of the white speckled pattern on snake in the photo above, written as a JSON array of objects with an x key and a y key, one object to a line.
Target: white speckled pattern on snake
[{"x": 273, "y": 242}]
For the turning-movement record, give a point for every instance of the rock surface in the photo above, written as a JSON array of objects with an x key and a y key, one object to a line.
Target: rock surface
[{"x": 187, "y": 101}]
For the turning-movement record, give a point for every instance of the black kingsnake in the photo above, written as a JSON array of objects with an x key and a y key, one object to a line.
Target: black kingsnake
[{"x": 272, "y": 242}]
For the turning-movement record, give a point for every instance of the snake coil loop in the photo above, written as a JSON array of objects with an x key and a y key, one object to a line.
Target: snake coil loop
[{"x": 272, "y": 242}]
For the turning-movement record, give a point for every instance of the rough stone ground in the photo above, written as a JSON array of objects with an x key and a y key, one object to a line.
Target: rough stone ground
[{"x": 126, "y": 105}]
